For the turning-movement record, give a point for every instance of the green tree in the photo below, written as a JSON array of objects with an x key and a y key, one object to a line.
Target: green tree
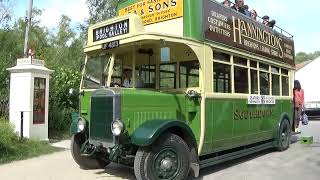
[
  {"x": 302, "y": 56},
  {"x": 100, "y": 10},
  {"x": 5, "y": 12}
]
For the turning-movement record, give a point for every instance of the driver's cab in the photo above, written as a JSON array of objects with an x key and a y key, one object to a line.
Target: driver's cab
[{"x": 151, "y": 64}]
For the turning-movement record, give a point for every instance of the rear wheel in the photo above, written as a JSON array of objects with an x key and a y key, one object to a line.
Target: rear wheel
[
  {"x": 85, "y": 162},
  {"x": 167, "y": 159},
  {"x": 284, "y": 136}
]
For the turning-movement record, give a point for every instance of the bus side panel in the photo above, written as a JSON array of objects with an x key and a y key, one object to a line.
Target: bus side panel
[
  {"x": 219, "y": 125},
  {"x": 287, "y": 107},
  {"x": 139, "y": 106},
  {"x": 232, "y": 123}
]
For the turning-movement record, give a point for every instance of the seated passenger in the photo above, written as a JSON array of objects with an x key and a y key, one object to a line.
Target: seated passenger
[
  {"x": 226, "y": 3},
  {"x": 127, "y": 74},
  {"x": 238, "y": 6},
  {"x": 139, "y": 80}
]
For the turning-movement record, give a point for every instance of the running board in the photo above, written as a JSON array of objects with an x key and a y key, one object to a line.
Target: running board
[{"x": 235, "y": 155}]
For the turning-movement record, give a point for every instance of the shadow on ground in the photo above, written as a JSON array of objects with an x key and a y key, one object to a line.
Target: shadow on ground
[
  {"x": 115, "y": 170},
  {"x": 124, "y": 172}
]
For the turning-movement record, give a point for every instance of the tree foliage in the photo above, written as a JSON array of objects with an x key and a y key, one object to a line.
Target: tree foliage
[
  {"x": 5, "y": 12},
  {"x": 100, "y": 10},
  {"x": 302, "y": 56}
]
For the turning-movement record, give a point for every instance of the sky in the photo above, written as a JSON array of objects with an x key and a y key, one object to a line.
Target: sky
[{"x": 299, "y": 19}]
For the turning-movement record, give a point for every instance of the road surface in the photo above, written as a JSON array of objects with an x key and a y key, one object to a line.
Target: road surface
[{"x": 300, "y": 162}]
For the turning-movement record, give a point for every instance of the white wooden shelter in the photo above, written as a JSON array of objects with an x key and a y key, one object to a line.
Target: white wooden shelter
[{"x": 29, "y": 95}]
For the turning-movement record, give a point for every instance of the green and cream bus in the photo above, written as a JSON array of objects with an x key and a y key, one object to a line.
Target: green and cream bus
[{"x": 206, "y": 85}]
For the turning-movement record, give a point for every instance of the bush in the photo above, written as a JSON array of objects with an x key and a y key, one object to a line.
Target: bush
[
  {"x": 7, "y": 136},
  {"x": 61, "y": 104},
  {"x": 59, "y": 118}
]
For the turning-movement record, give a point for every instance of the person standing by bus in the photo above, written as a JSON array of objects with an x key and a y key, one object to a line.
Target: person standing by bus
[{"x": 298, "y": 99}]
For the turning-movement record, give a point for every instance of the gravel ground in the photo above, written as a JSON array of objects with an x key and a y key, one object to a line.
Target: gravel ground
[{"x": 299, "y": 162}]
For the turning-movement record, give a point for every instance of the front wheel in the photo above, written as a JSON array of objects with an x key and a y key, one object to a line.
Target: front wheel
[
  {"x": 168, "y": 159},
  {"x": 85, "y": 162},
  {"x": 284, "y": 136}
]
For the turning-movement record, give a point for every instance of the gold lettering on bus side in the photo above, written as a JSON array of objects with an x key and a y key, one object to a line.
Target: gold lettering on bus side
[{"x": 252, "y": 114}]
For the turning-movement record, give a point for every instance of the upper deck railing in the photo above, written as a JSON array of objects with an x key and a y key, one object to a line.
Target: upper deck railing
[{"x": 275, "y": 27}]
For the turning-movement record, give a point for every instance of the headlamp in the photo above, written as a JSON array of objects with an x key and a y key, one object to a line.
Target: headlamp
[{"x": 117, "y": 127}]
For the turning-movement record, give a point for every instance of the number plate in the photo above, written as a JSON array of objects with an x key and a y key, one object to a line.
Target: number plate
[{"x": 111, "y": 45}]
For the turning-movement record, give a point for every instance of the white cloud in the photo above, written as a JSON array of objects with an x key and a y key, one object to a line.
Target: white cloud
[{"x": 75, "y": 9}]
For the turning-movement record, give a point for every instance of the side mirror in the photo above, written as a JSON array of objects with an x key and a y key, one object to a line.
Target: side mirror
[{"x": 193, "y": 94}]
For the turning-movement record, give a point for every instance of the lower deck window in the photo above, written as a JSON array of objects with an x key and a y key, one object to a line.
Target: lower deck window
[
  {"x": 285, "y": 86},
  {"x": 189, "y": 74},
  {"x": 264, "y": 83},
  {"x": 168, "y": 76},
  {"x": 241, "y": 80},
  {"x": 148, "y": 75},
  {"x": 254, "y": 81},
  {"x": 275, "y": 85},
  {"x": 221, "y": 78}
]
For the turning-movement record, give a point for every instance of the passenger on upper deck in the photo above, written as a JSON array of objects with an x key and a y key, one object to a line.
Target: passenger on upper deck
[
  {"x": 238, "y": 6},
  {"x": 253, "y": 14},
  {"x": 267, "y": 22},
  {"x": 226, "y": 3},
  {"x": 246, "y": 10}
]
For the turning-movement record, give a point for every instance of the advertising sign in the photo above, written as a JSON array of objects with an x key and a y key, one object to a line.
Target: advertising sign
[
  {"x": 154, "y": 11},
  {"x": 226, "y": 26}
]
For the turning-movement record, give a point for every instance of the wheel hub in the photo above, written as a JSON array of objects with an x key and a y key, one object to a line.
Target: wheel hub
[{"x": 166, "y": 164}]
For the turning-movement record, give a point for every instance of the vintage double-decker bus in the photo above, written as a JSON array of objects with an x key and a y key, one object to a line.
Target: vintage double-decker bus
[{"x": 173, "y": 86}]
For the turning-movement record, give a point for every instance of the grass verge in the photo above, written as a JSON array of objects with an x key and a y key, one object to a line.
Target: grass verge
[
  {"x": 25, "y": 149},
  {"x": 12, "y": 148}
]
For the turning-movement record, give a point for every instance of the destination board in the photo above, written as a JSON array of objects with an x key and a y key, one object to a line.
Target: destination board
[
  {"x": 229, "y": 27},
  {"x": 111, "y": 30},
  {"x": 154, "y": 11}
]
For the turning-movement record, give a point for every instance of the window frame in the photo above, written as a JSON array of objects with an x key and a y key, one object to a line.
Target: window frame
[{"x": 261, "y": 67}]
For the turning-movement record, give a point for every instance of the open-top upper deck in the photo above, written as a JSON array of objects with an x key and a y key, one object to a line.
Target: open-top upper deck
[{"x": 203, "y": 20}]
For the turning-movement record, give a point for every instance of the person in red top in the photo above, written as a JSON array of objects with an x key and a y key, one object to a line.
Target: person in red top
[{"x": 298, "y": 99}]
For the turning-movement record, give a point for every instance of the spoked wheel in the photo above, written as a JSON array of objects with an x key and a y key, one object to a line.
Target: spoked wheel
[
  {"x": 284, "y": 136},
  {"x": 85, "y": 162},
  {"x": 167, "y": 159}
]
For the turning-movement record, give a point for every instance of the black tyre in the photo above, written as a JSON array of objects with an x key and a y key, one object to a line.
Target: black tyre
[
  {"x": 168, "y": 158},
  {"x": 284, "y": 136},
  {"x": 85, "y": 162}
]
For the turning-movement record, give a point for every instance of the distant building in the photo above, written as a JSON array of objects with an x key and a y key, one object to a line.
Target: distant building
[{"x": 308, "y": 74}]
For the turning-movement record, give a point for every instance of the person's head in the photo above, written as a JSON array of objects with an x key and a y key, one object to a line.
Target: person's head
[
  {"x": 226, "y": 3},
  {"x": 127, "y": 73},
  {"x": 271, "y": 23},
  {"x": 297, "y": 85},
  {"x": 265, "y": 20},
  {"x": 246, "y": 7},
  {"x": 239, "y": 3},
  {"x": 253, "y": 14}
]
